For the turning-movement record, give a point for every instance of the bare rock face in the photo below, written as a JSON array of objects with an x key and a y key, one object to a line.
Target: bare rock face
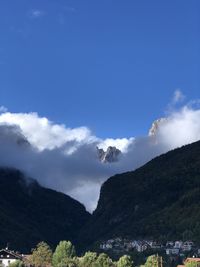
[
  {"x": 110, "y": 155},
  {"x": 156, "y": 125}
]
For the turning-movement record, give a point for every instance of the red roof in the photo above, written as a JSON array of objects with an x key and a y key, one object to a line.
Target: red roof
[{"x": 192, "y": 259}]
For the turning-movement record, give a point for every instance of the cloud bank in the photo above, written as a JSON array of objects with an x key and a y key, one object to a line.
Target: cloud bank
[{"x": 66, "y": 160}]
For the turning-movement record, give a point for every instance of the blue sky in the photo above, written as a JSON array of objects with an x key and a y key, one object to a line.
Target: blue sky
[{"x": 110, "y": 65}]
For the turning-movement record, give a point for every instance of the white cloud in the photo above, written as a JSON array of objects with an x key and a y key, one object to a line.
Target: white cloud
[
  {"x": 79, "y": 173},
  {"x": 57, "y": 152},
  {"x": 120, "y": 143},
  {"x": 44, "y": 134},
  {"x": 182, "y": 127},
  {"x": 87, "y": 192}
]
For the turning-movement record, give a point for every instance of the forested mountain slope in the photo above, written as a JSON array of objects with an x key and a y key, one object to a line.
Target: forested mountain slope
[
  {"x": 30, "y": 213},
  {"x": 160, "y": 200}
]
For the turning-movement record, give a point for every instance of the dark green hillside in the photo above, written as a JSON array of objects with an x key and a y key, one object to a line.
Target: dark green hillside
[
  {"x": 159, "y": 200},
  {"x": 30, "y": 213}
]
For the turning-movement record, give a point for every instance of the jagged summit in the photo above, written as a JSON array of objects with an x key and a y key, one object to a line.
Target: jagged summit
[
  {"x": 110, "y": 155},
  {"x": 156, "y": 125}
]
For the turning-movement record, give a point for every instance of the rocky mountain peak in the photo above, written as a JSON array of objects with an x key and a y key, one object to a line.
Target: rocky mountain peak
[
  {"x": 156, "y": 125},
  {"x": 110, "y": 155}
]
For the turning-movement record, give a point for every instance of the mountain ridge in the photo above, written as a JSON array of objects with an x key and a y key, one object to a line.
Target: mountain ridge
[
  {"x": 30, "y": 213},
  {"x": 158, "y": 200}
]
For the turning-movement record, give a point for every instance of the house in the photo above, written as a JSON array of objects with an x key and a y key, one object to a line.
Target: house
[
  {"x": 170, "y": 244},
  {"x": 178, "y": 244},
  {"x": 187, "y": 246},
  {"x": 106, "y": 246},
  {"x": 172, "y": 251},
  {"x": 128, "y": 245},
  {"x": 134, "y": 243},
  {"x": 7, "y": 257},
  {"x": 141, "y": 246},
  {"x": 118, "y": 239},
  {"x": 156, "y": 245},
  {"x": 150, "y": 242}
]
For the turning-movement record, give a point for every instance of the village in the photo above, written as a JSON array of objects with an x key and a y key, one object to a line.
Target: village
[
  {"x": 10, "y": 258},
  {"x": 171, "y": 248}
]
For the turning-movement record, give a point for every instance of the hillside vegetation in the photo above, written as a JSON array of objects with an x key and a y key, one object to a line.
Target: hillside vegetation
[
  {"x": 30, "y": 213},
  {"x": 160, "y": 200}
]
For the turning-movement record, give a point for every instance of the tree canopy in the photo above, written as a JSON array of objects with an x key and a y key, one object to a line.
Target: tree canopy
[
  {"x": 16, "y": 263},
  {"x": 125, "y": 261},
  {"x": 192, "y": 264},
  {"x": 41, "y": 255},
  {"x": 104, "y": 260},
  {"x": 153, "y": 261},
  {"x": 64, "y": 251}
]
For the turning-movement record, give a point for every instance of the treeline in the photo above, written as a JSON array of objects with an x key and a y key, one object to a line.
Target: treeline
[{"x": 65, "y": 256}]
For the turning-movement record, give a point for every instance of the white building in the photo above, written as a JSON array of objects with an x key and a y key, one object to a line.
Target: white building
[
  {"x": 7, "y": 257},
  {"x": 187, "y": 246},
  {"x": 172, "y": 251},
  {"x": 141, "y": 246},
  {"x": 170, "y": 244},
  {"x": 178, "y": 244}
]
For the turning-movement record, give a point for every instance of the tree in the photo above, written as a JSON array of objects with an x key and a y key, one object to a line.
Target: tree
[
  {"x": 16, "y": 263},
  {"x": 64, "y": 251},
  {"x": 68, "y": 262},
  {"x": 125, "y": 261},
  {"x": 103, "y": 260},
  {"x": 89, "y": 259},
  {"x": 154, "y": 261},
  {"x": 41, "y": 255},
  {"x": 192, "y": 264}
]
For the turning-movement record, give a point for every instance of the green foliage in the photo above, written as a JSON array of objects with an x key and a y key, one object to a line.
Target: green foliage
[
  {"x": 153, "y": 261},
  {"x": 89, "y": 259},
  {"x": 16, "y": 263},
  {"x": 41, "y": 255},
  {"x": 125, "y": 261},
  {"x": 103, "y": 260},
  {"x": 68, "y": 262},
  {"x": 192, "y": 264},
  {"x": 64, "y": 251}
]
